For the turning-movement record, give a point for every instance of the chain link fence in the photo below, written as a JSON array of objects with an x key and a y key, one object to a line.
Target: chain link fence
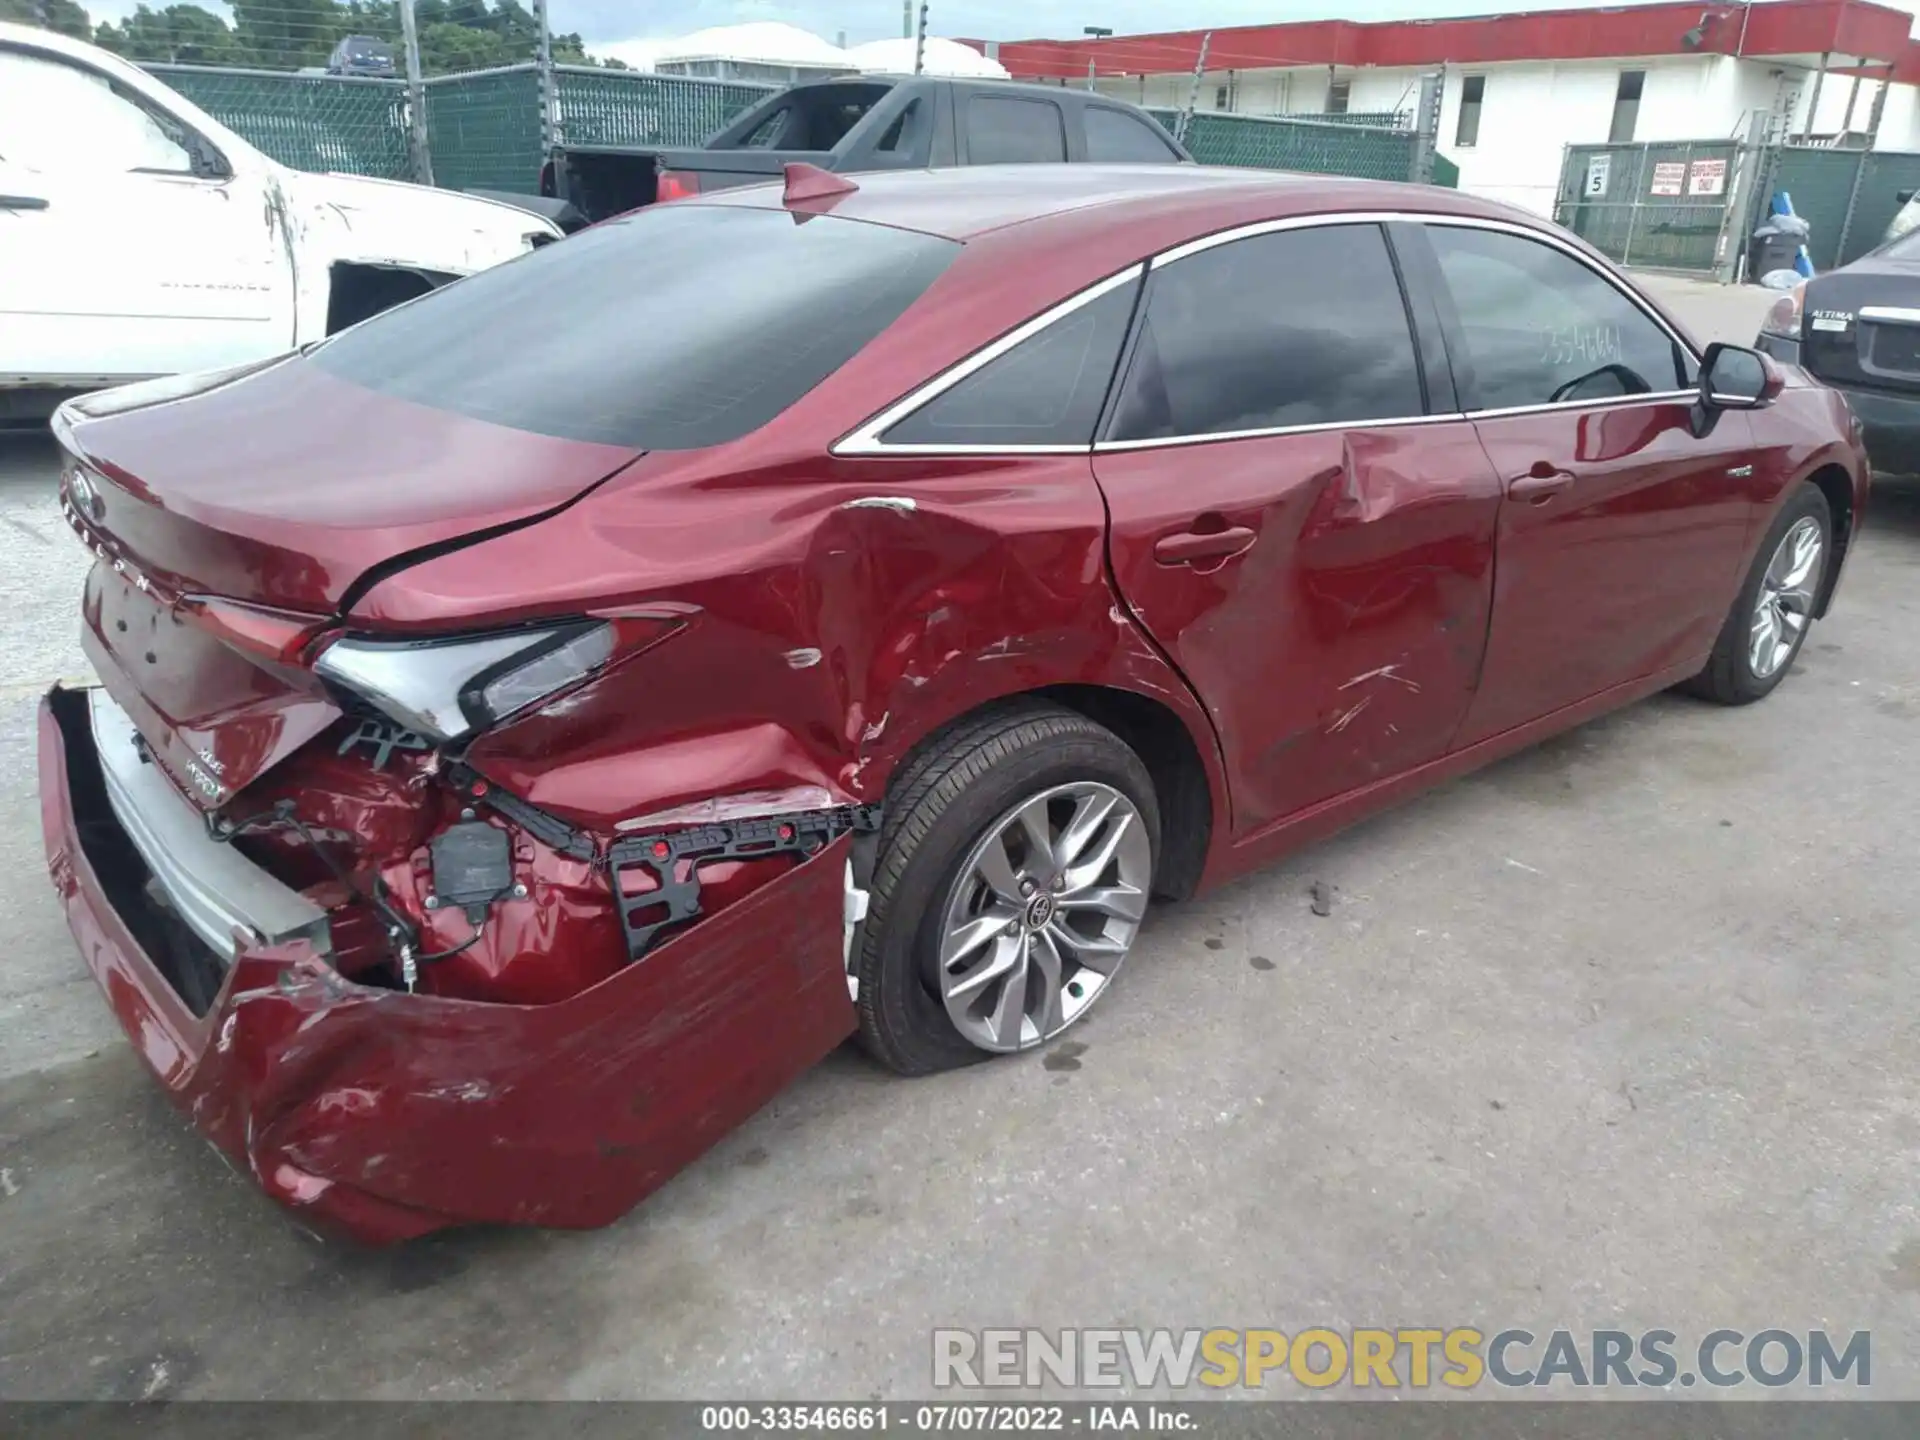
[
  {"x": 483, "y": 130},
  {"x": 1848, "y": 197},
  {"x": 624, "y": 107},
  {"x": 1664, "y": 205},
  {"x": 484, "y": 127},
  {"x": 1319, "y": 145},
  {"x": 309, "y": 122}
]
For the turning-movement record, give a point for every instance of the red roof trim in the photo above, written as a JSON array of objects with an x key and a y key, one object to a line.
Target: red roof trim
[{"x": 1774, "y": 27}]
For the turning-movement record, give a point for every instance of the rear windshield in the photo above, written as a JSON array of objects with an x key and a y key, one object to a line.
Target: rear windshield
[{"x": 677, "y": 327}]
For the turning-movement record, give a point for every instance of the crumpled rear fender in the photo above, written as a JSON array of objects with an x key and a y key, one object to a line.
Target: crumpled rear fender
[{"x": 834, "y": 616}]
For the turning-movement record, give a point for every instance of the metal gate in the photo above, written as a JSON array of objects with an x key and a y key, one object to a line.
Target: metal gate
[{"x": 1670, "y": 205}]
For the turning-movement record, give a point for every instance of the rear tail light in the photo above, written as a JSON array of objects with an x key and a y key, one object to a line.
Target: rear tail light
[
  {"x": 1784, "y": 318},
  {"x": 448, "y": 689},
  {"x": 675, "y": 185}
]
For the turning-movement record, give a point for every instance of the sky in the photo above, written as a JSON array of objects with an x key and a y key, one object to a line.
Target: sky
[{"x": 607, "y": 21}]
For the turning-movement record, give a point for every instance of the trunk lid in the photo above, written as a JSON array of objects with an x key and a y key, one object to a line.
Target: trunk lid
[
  {"x": 1861, "y": 326},
  {"x": 285, "y": 486},
  {"x": 278, "y": 490}
]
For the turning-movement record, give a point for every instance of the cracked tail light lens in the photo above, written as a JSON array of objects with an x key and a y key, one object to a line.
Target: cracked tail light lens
[{"x": 451, "y": 689}]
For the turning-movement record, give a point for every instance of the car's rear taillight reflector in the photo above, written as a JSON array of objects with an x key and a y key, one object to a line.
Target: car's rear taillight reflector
[{"x": 676, "y": 185}]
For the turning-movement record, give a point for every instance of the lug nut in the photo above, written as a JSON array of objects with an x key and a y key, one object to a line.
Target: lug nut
[
  {"x": 1026, "y": 887},
  {"x": 433, "y": 902},
  {"x": 519, "y": 892}
]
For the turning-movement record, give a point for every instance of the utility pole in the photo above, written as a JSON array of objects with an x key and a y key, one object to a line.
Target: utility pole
[
  {"x": 1193, "y": 92},
  {"x": 920, "y": 40},
  {"x": 420, "y": 154}
]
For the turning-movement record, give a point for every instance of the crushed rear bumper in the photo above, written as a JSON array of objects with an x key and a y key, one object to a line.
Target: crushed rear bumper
[{"x": 384, "y": 1115}]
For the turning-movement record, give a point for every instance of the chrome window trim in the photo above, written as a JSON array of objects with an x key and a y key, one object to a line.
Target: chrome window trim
[
  {"x": 1890, "y": 314},
  {"x": 1157, "y": 442},
  {"x": 866, "y": 439}
]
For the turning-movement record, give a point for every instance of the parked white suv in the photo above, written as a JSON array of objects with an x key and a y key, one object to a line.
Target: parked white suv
[{"x": 140, "y": 237}]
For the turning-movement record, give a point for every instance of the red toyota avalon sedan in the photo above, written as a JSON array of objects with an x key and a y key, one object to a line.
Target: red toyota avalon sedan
[{"x": 537, "y": 723}]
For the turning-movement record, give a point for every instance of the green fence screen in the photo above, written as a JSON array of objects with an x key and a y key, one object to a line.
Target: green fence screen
[
  {"x": 310, "y": 122},
  {"x": 621, "y": 107},
  {"x": 1820, "y": 180},
  {"x": 1661, "y": 204},
  {"x": 483, "y": 128},
  {"x": 1276, "y": 143}
]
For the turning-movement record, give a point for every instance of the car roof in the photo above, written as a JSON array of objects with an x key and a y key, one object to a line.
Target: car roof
[{"x": 1046, "y": 202}]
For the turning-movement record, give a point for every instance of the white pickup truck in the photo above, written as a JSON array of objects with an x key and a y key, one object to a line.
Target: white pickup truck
[{"x": 141, "y": 237}]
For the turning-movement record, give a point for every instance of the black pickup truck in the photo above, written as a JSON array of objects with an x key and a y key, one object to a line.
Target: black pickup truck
[{"x": 860, "y": 123}]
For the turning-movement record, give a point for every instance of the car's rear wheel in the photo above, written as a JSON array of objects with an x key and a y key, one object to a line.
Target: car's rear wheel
[
  {"x": 1011, "y": 881},
  {"x": 1771, "y": 617}
]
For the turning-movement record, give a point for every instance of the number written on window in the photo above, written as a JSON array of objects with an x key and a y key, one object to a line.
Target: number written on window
[{"x": 1542, "y": 328}]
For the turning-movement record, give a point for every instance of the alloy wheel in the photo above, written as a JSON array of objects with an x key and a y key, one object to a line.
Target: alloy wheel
[
  {"x": 1045, "y": 907},
  {"x": 1785, "y": 604}
]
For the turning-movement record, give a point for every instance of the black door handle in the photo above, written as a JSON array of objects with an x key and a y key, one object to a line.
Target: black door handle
[{"x": 22, "y": 202}]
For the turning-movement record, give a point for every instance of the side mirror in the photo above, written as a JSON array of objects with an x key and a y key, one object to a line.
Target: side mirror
[{"x": 1733, "y": 377}]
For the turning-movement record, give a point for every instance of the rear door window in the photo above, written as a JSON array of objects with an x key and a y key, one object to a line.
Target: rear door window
[
  {"x": 1047, "y": 390},
  {"x": 1005, "y": 130},
  {"x": 1293, "y": 328},
  {"x": 678, "y": 327},
  {"x": 1114, "y": 135}
]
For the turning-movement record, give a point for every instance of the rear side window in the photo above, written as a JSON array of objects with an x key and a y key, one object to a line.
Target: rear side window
[
  {"x": 1300, "y": 327},
  {"x": 1114, "y": 135},
  {"x": 678, "y": 327},
  {"x": 1003, "y": 130},
  {"x": 1047, "y": 390}
]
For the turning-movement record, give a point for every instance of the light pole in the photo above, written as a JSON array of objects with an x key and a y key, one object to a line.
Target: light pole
[{"x": 1098, "y": 32}]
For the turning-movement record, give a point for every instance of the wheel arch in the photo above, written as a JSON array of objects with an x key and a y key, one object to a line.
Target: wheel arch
[
  {"x": 1833, "y": 481},
  {"x": 1187, "y": 787}
]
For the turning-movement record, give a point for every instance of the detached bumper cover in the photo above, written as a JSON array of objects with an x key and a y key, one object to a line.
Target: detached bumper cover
[{"x": 385, "y": 1115}]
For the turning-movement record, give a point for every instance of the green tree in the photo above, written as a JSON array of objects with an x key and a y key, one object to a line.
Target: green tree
[
  {"x": 287, "y": 34},
  {"x": 62, "y": 16},
  {"x": 180, "y": 34}
]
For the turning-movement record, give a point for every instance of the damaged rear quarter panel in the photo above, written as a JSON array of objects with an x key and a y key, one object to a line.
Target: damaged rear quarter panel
[{"x": 840, "y": 610}]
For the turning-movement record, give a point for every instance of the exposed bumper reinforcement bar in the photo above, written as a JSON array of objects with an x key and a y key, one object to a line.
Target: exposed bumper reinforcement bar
[{"x": 212, "y": 887}]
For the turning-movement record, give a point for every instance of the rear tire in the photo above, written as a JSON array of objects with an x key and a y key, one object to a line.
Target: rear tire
[
  {"x": 973, "y": 794},
  {"x": 1770, "y": 619}
]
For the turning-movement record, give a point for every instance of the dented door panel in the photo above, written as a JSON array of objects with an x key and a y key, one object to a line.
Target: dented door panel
[{"x": 1344, "y": 644}]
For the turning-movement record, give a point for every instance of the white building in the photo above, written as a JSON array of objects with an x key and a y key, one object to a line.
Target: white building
[
  {"x": 765, "y": 51},
  {"x": 938, "y": 57},
  {"x": 1519, "y": 88}
]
